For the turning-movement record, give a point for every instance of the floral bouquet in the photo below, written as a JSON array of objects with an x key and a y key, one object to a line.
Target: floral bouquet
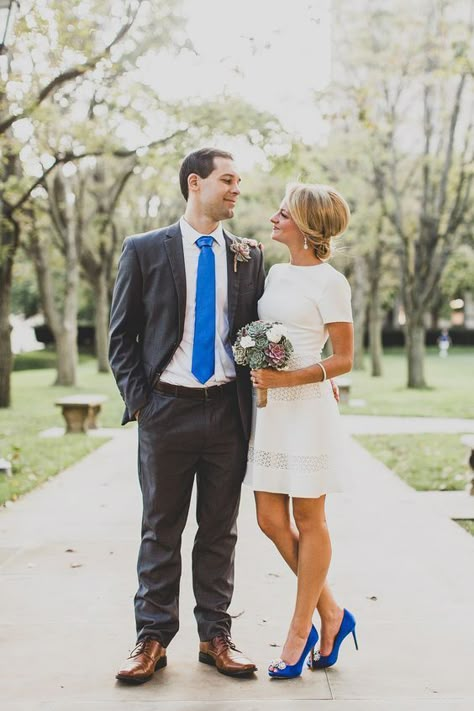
[{"x": 262, "y": 344}]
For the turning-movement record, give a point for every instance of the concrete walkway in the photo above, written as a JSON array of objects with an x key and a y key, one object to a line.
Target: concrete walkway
[{"x": 67, "y": 580}]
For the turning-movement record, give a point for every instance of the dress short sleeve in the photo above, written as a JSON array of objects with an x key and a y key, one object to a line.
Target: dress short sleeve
[{"x": 335, "y": 301}]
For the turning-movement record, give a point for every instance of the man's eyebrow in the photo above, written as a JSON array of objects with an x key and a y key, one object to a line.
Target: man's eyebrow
[{"x": 231, "y": 175}]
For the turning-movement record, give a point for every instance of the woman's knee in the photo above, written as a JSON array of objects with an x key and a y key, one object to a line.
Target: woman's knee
[
  {"x": 269, "y": 524},
  {"x": 272, "y": 514},
  {"x": 309, "y": 519}
]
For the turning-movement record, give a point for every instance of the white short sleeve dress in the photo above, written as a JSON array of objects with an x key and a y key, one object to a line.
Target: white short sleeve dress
[{"x": 297, "y": 442}]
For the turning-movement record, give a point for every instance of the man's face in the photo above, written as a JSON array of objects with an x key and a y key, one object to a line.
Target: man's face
[{"x": 218, "y": 193}]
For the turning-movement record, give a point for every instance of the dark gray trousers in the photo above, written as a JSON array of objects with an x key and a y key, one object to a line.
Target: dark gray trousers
[{"x": 180, "y": 439}]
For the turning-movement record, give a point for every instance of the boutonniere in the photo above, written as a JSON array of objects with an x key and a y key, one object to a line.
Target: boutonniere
[{"x": 241, "y": 248}]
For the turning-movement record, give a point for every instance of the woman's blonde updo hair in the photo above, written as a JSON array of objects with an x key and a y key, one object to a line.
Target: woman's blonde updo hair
[{"x": 320, "y": 213}]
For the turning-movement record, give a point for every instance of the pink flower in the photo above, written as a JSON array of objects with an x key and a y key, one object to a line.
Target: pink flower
[{"x": 276, "y": 354}]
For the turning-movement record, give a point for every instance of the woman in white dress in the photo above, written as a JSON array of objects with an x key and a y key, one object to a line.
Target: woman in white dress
[{"x": 295, "y": 447}]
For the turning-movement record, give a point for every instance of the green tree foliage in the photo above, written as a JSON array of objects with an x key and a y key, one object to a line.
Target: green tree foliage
[{"x": 404, "y": 90}]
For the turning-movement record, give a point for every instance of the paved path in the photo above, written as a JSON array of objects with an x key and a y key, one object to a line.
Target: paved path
[
  {"x": 453, "y": 504},
  {"x": 67, "y": 579}
]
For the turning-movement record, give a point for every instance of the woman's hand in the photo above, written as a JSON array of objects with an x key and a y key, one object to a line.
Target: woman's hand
[{"x": 269, "y": 378}]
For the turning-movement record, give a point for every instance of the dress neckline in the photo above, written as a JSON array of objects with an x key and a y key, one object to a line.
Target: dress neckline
[{"x": 306, "y": 266}]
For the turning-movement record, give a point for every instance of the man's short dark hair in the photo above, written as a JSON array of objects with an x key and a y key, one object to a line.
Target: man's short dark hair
[{"x": 200, "y": 162}]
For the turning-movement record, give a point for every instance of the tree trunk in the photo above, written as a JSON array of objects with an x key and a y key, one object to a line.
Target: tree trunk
[
  {"x": 415, "y": 347},
  {"x": 6, "y": 358},
  {"x": 375, "y": 309},
  {"x": 66, "y": 335},
  {"x": 375, "y": 335},
  {"x": 62, "y": 322},
  {"x": 9, "y": 241},
  {"x": 102, "y": 324},
  {"x": 468, "y": 309},
  {"x": 359, "y": 305},
  {"x": 66, "y": 351}
]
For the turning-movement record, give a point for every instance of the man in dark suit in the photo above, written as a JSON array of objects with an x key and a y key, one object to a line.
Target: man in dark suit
[{"x": 181, "y": 294}]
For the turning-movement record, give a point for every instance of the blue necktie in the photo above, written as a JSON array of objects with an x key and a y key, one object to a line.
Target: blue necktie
[{"x": 205, "y": 314}]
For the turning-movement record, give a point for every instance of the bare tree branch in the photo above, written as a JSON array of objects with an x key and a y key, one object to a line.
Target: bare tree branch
[
  {"x": 70, "y": 157},
  {"x": 72, "y": 73}
]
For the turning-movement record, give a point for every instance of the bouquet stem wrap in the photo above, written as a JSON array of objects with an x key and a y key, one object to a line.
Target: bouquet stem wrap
[{"x": 262, "y": 344}]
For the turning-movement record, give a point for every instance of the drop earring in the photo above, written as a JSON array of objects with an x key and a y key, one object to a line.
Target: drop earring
[{"x": 305, "y": 245}]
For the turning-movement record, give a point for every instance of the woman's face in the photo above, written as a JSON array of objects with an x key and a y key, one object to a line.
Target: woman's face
[{"x": 284, "y": 229}]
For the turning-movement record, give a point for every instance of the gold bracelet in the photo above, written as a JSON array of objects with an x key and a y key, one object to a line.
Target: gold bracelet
[{"x": 325, "y": 375}]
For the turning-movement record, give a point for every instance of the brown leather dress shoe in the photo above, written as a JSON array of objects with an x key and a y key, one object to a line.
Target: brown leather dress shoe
[
  {"x": 147, "y": 657},
  {"x": 221, "y": 652}
]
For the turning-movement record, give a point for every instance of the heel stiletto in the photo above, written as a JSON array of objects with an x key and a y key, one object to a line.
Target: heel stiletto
[
  {"x": 278, "y": 669},
  {"x": 317, "y": 661}
]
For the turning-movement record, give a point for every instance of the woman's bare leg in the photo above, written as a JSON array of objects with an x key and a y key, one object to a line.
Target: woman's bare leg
[
  {"x": 314, "y": 556},
  {"x": 273, "y": 515}
]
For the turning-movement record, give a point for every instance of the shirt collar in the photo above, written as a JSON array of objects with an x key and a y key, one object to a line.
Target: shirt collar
[{"x": 190, "y": 235}]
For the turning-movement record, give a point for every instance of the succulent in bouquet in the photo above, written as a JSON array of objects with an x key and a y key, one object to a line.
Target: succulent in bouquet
[{"x": 262, "y": 344}]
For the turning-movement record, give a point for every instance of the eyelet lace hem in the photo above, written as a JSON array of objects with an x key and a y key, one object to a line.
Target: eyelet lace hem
[{"x": 290, "y": 462}]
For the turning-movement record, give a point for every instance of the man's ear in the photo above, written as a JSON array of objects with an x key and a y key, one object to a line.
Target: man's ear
[{"x": 193, "y": 182}]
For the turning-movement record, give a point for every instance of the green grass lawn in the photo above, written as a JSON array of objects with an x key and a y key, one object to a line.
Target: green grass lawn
[
  {"x": 467, "y": 524},
  {"x": 450, "y": 380},
  {"x": 426, "y": 462},
  {"x": 35, "y": 459}
]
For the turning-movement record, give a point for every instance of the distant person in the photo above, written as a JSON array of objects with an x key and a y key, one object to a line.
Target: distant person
[
  {"x": 182, "y": 293},
  {"x": 296, "y": 442},
  {"x": 444, "y": 341}
]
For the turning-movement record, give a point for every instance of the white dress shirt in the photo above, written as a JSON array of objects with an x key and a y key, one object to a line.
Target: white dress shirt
[{"x": 178, "y": 371}]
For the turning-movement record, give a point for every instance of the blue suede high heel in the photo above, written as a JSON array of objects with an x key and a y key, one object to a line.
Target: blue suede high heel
[
  {"x": 317, "y": 661},
  {"x": 280, "y": 670}
]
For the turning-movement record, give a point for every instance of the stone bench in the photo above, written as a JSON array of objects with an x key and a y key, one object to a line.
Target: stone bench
[
  {"x": 468, "y": 440},
  {"x": 343, "y": 382},
  {"x": 80, "y": 412}
]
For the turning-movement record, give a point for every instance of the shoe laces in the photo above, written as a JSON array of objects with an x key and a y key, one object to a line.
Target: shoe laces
[
  {"x": 226, "y": 639},
  {"x": 141, "y": 647}
]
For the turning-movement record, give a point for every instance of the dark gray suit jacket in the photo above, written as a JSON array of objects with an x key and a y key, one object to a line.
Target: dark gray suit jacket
[{"x": 148, "y": 308}]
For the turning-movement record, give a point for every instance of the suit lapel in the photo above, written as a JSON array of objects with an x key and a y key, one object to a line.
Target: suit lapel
[
  {"x": 174, "y": 249},
  {"x": 233, "y": 283}
]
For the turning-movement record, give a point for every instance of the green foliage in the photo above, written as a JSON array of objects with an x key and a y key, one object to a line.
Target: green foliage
[
  {"x": 458, "y": 276},
  {"x": 34, "y": 360},
  {"x": 25, "y": 297},
  {"x": 426, "y": 462}
]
